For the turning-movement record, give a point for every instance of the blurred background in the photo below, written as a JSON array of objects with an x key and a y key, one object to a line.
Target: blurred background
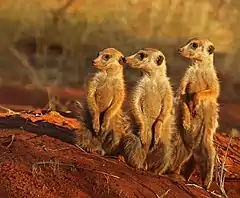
[{"x": 46, "y": 43}]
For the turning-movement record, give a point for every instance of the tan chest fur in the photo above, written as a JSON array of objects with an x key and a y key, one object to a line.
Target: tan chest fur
[
  {"x": 200, "y": 80},
  {"x": 106, "y": 92},
  {"x": 153, "y": 93}
]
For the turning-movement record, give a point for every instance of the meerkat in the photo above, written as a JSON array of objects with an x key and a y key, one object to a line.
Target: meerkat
[
  {"x": 105, "y": 96},
  {"x": 152, "y": 102},
  {"x": 198, "y": 109}
]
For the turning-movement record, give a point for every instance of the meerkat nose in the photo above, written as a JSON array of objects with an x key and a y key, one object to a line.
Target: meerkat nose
[
  {"x": 180, "y": 50},
  {"x": 93, "y": 62}
]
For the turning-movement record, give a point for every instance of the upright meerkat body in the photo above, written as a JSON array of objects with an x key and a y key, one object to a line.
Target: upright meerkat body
[
  {"x": 151, "y": 107},
  {"x": 198, "y": 108},
  {"x": 106, "y": 93}
]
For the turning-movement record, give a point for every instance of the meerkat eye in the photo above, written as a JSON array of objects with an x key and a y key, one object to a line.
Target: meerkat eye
[
  {"x": 106, "y": 57},
  {"x": 141, "y": 55},
  {"x": 211, "y": 49},
  {"x": 194, "y": 45},
  {"x": 122, "y": 60},
  {"x": 159, "y": 60}
]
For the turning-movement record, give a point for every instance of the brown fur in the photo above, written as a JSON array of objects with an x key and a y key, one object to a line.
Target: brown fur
[
  {"x": 106, "y": 93},
  {"x": 132, "y": 151},
  {"x": 198, "y": 110},
  {"x": 86, "y": 140},
  {"x": 151, "y": 108}
]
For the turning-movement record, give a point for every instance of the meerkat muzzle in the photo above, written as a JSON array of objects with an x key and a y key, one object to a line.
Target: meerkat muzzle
[
  {"x": 126, "y": 59},
  {"x": 180, "y": 50},
  {"x": 94, "y": 63}
]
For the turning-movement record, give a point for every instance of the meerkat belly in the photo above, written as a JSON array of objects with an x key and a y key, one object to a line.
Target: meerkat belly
[
  {"x": 104, "y": 97},
  {"x": 153, "y": 105},
  {"x": 206, "y": 106},
  {"x": 209, "y": 107},
  {"x": 196, "y": 86},
  {"x": 199, "y": 81}
]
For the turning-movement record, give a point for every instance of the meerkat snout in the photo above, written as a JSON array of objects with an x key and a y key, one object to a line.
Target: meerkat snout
[
  {"x": 180, "y": 50},
  {"x": 94, "y": 63}
]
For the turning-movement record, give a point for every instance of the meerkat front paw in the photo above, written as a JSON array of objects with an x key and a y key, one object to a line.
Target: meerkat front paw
[
  {"x": 96, "y": 126},
  {"x": 186, "y": 118},
  {"x": 145, "y": 146},
  {"x": 157, "y": 132},
  {"x": 105, "y": 126},
  {"x": 140, "y": 134},
  {"x": 186, "y": 123},
  {"x": 196, "y": 99}
]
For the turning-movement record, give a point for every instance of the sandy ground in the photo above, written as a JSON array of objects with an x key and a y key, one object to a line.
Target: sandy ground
[{"x": 37, "y": 158}]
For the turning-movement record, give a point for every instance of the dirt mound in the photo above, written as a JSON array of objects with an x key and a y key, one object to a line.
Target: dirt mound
[
  {"x": 37, "y": 165},
  {"x": 37, "y": 159}
]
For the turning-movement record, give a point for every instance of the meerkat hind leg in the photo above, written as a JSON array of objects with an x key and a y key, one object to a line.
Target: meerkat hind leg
[
  {"x": 208, "y": 153},
  {"x": 133, "y": 151},
  {"x": 162, "y": 153},
  {"x": 88, "y": 142},
  {"x": 110, "y": 142},
  {"x": 188, "y": 168},
  {"x": 184, "y": 156}
]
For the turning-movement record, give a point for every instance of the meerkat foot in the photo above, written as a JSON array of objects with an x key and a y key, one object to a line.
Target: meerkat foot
[
  {"x": 145, "y": 166},
  {"x": 91, "y": 148},
  {"x": 206, "y": 183},
  {"x": 121, "y": 158},
  {"x": 177, "y": 177}
]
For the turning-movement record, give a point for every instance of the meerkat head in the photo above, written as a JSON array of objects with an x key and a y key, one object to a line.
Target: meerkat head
[
  {"x": 147, "y": 59},
  {"x": 109, "y": 59},
  {"x": 198, "y": 49}
]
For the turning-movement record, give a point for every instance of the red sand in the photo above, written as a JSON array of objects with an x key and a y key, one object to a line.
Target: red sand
[{"x": 37, "y": 161}]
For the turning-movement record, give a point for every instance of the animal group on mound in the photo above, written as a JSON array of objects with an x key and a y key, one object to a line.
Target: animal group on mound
[{"x": 163, "y": 132}]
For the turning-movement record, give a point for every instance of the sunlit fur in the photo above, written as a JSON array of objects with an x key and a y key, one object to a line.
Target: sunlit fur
[{"x": 197, "y": 110}]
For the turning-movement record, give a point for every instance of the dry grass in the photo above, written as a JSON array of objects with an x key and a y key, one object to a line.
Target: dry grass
[
  {"x": 60, "y": 38},
  {"x": 220, "y": 168},
  {"x": 54, "y": 165}
]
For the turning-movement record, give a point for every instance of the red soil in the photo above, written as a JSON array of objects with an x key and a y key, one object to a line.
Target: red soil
[{"x": 36, "y": 159}]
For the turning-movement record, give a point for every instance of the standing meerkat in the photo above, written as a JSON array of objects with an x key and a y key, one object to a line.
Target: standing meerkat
[
  {"x": 152, "y": 102},
  {"x": 105, "y": 96},
  {"x": 198, "y": 108}
]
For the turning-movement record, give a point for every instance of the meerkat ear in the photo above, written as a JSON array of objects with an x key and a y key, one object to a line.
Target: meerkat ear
[
  {"x": 159, "y": 60},
  {"x": 211, "y": 49},
  {"x": 122, "y": 60}
]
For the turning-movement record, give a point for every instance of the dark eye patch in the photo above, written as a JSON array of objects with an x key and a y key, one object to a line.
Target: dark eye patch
[
  {"x": 194, "y": 45},
  {"x": 211, "y": 49},
  {"x": 122, "y": 60},
  {"x": 159, "y": 60},
  {"x": 106, "y": 57},
  {"x": 141, "y": 55}
]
